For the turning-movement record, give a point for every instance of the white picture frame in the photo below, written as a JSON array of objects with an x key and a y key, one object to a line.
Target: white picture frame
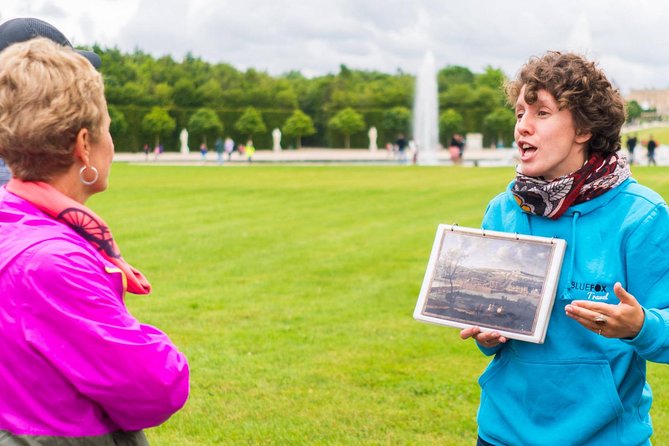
[{"x": 493, "y": 280}]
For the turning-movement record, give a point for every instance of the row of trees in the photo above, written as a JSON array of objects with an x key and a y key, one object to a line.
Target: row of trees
[
  {"x": 207, "y": 125},
  {"x": 152, "y": 99}
]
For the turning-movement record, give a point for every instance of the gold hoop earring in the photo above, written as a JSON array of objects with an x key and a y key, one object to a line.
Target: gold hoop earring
[{"x": 88, "y": 182}]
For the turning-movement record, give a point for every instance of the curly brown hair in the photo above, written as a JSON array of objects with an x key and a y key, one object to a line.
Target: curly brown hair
[{"x": 579, "y": 86}]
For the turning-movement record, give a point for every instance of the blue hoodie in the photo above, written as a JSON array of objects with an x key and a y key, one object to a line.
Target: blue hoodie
[{"x": 579, "y": 388}]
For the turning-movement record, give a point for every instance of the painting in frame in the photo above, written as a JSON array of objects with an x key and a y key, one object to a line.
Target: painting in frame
[{"x": 494, "y": 280}]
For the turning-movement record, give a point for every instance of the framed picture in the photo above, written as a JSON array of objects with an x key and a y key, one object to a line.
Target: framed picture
[{"x": 493, "y": 280}]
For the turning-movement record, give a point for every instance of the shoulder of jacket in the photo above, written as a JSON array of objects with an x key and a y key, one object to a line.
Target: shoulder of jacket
[
  {"x": 56, "y": 249},
  {"x": 503, "y": 199},
  {"x": 643, "y": 193}
]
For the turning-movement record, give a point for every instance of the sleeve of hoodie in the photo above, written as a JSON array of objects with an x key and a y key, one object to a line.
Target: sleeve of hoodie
[
  {"x": 648, "y": 281},
  {"x": 76, "y": 318}
]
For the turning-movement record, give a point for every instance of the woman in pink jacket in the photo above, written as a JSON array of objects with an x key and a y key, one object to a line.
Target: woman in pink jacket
[{"x": 76, "y": 368}]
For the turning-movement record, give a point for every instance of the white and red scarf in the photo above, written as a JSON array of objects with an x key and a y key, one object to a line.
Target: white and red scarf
[{"x": 551, "y": 199}]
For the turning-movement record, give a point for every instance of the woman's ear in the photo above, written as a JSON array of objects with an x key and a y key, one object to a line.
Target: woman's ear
[
  {"x": 81, "y": 146},
  {"x": 582, "y": 137}
]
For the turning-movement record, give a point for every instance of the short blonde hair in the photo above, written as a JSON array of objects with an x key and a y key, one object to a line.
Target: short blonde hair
[{"x": 48, "y": 93}]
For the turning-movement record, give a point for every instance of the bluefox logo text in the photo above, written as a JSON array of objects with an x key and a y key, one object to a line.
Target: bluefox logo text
[{"x": 595, "y": 291}]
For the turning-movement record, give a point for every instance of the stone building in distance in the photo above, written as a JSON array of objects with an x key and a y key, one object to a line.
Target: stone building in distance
[{"x": 651, "y": 99}]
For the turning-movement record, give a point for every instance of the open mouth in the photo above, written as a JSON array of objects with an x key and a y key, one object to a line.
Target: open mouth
[{"x": 527, "y": 149}]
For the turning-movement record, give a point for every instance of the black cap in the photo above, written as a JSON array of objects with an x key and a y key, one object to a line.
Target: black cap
[{"x": 22, "y": 29}]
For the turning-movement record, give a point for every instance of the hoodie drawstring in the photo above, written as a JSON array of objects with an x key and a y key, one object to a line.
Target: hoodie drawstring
[{"x": 566, "y": 295}]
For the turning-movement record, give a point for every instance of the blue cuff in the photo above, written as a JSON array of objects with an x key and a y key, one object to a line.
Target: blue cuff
[
  {"x": 489, "y": 351},
  {"x": 651, "y": 336}
]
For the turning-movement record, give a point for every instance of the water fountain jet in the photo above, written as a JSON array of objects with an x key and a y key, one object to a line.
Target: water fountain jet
[{"x": 425, "y": 113}]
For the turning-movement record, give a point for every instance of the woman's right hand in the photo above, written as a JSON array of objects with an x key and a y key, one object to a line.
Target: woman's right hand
[{"x": 487, "y": 339}]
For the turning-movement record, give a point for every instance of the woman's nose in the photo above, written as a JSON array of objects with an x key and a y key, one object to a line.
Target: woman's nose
[{"x": 524, "y": 125}]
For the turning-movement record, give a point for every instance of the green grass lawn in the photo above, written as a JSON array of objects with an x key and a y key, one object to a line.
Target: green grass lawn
[{"x": 291, "y": 290}]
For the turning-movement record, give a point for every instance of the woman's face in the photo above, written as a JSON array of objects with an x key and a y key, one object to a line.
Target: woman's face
[
  {"x": 547, "y": 140},
  {"x": 102, "y": 154}
]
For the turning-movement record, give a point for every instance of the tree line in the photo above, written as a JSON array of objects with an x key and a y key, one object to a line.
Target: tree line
[{"x": 152, "y": 99}]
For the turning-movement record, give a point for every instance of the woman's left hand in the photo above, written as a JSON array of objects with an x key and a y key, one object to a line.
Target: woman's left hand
[{"x": 623, "y": 320}]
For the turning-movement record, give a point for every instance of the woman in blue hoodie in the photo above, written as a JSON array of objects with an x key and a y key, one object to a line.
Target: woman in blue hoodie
[{"x": 586, "y": 384}]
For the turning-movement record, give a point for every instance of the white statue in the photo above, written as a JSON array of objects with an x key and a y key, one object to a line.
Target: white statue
[
  {"x": 276, "y": 137},
  {"x": 373, "y": 134},
  {"x": 183, "y": 137}
]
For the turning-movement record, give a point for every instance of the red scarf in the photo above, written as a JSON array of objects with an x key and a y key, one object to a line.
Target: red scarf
[
  {"x": 87, "y": 224},
  {"x": 551, "y": 199}
]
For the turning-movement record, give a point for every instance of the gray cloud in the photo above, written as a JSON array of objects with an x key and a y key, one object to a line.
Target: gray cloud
[{"x": 317, "y": 36}]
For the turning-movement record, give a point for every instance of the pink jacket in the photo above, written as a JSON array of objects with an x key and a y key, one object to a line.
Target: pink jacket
[{"x": 73, "y": 360}]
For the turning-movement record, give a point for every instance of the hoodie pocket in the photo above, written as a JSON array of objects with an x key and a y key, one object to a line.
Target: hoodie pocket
[{"x": 550, "y": 403}]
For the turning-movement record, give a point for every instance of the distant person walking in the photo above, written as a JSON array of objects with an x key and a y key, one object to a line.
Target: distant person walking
[
  {"x": 218, "y": 145},
  {"x": 631, "y": 144},
  {"x": 401, "y": 144},
  {"x": 229, "y": 147},
  {"x": 249, "y": 150},
  {"x": 652, "y": 145},
  {"x": 203, "y": 151},
  {"x": 461, "y": 145},
  {"x": 456, "y": 148}
]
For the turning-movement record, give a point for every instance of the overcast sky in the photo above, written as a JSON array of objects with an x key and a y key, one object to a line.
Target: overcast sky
[{"x": 627, "y": 37}]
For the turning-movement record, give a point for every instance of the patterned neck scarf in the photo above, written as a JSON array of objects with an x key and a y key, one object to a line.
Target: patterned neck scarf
[
  {"x": 91, "y": 227},
  {"x": 551, "y": 199}
]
